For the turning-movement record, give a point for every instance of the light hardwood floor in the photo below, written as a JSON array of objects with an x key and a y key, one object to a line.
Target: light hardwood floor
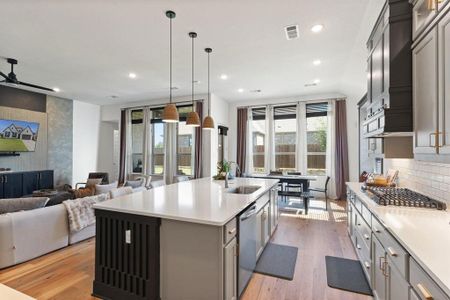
[{"x": 68, "y": 273}]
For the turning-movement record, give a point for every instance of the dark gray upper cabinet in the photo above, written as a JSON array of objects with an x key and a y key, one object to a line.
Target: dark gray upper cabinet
[{"x": 390, "y": 73}]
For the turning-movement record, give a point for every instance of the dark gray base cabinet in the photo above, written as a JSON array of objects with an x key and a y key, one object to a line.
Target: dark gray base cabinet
[{"x": 127, "y": 256}]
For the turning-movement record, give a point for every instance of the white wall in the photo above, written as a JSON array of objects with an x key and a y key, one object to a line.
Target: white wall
[
  {"x": 105, "y": 159},
  {"x": 86, "y": 128}
]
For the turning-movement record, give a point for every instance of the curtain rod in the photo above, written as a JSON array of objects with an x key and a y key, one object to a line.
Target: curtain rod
[
  {"x": 160, "y": 105},
  {"x": 292, "y": 102}
]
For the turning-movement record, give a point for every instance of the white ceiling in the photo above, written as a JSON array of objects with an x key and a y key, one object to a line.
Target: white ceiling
[{"x": 87, "y": 48}]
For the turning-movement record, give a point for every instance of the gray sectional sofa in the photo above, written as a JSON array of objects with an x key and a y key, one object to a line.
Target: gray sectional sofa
[{"x": 25, "y": 235}]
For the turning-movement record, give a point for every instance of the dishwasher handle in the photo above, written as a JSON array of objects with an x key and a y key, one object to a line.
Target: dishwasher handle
[{"x": 248, "y": 213}]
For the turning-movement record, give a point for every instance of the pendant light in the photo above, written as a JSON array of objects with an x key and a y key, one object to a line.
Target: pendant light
[
  {"x": 193, "y": 119},
  {"x": 170, "y": 113},
  {"x": 208, "y": 122}
]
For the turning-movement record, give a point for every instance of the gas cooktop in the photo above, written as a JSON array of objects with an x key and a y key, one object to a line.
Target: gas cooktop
[{"x": 401, "y": 197}]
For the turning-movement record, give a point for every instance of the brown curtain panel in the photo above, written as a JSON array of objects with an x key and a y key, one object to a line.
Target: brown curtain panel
[
  {"x": 123, "y": 146},
  {"x": 198, "y": 142},
  {"x": 342, "y": 171},
  {"x": 241, "y": 139}
]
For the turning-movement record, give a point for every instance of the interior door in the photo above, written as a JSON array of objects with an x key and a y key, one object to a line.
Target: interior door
[
  {"x": 12, "y": 185},
  {"x": 425, "y": 83},
  {"x": 444, "y": 84}
]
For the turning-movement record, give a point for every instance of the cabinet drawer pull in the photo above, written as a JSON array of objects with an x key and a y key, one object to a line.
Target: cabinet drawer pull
[
  {"x": 381, "y": 263},
  {"x": 392, "y": 252},
  {"x": 358, "y": 246},
  {"x": 376, "y": 230},
  {"x": 385, "y": 269},
  {"x": 366, "y": 236},
  {"x": 367, "y": 265},
  {"x": 425, "y": 293},
  {"x": 232, "y": 231}
]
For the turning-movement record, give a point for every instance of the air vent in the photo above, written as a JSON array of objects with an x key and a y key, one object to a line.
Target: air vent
[
  {"x": 310, "y": 84},
  {"x": 291, "y": 32}
]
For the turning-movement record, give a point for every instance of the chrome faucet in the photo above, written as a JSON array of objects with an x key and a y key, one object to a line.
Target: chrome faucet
[{"x": 227, "y": 174}]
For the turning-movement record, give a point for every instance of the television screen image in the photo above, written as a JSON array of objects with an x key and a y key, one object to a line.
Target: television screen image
[{"x": 18, "y": 136}]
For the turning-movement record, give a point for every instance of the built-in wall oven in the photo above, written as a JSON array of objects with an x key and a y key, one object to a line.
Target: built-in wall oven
[{"x": 247, "y": 246}]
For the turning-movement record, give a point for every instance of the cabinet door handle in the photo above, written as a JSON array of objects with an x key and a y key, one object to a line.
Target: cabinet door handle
[
  {"x": 1, "y": 179},
  {"x": 232, "y": 231},
  {"x": 366, "y": 236},
  {"x": 392, "y": 252},
  {"x": 358, "y": 246},
  {"x": 6, "y": 179},
  {"x": 380, "y": 260},
  {"x": 424, "y": 291},
  {"x": 385, "y": 269},
  {"x": 367, "y": 265}
]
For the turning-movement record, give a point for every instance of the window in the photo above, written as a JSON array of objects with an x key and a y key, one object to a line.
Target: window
[
  {"x": 285, "y": 123},
  {"x": 157, "y": 137},
  {"x": 185, "y": 144},
  {"x": 137, "y": 141},
  {"x": 258, "y": 129},
  {"x": 316, "y": 130}
]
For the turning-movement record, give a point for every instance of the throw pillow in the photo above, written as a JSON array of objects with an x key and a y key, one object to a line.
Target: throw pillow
[
  {"x": 135, "y": 183},
  {"x": 104, "y": 188},
  {"x": 91, "y": 182},
  {"x": 18, "y": 204},
  {"x": 86, "y": 192}
]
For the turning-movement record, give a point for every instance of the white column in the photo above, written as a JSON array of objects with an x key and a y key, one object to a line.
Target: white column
[{"x": 302, "y": 146}]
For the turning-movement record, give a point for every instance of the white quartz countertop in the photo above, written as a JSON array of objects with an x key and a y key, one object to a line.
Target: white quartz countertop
[
  {"x": 424, "y": 233},
  {"x": 204, "y": 200}
]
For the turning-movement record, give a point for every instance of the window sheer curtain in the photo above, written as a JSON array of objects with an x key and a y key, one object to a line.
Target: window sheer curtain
[
  {"x": 331, "y": 146},
  {"x": 248, "y": 146}
]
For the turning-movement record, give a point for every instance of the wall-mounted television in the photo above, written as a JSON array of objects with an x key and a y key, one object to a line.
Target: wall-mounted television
[{"x": 18, "y": 136}]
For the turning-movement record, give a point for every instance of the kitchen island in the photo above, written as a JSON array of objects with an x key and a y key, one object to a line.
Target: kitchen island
[{"x": 183, "y": 241}]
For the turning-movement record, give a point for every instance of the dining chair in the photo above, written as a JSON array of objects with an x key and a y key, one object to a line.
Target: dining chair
[
  {"x": 323, "y": 190},
  {"x": 292, "y": 185}
]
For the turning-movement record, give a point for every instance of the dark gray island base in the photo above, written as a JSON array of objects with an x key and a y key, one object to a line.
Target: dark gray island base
[{"x": 126, "y": 265}]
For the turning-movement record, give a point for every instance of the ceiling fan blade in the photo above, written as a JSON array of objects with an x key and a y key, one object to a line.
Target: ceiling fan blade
[
  {"x": 3, "y": 75},
  {"x": 35, "y": 86}
]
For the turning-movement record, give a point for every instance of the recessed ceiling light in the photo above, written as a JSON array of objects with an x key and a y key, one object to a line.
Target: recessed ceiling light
[
  {"x": 316, "y": 81},
  {"x": 240, "y": 90},
  {"x": 132, "y": 75},
  {"x": 57, "y": 90},
  {"x": 224, "y": 76},
  {"x": 317, "y": 28},
  {"x": 317, "y": 62}
]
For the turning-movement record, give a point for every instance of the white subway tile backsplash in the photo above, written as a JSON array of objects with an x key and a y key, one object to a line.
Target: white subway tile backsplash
[{"x": 431, "y": 179}]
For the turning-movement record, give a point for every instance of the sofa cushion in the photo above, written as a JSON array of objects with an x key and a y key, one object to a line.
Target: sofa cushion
[
  {"x": 84, "y": 192},
  {"x": 122, "y": 191},
  {"x": 104, "y": 188},
  {"x": 18, "y": 204},
  {"x": 91, "y": 182}
]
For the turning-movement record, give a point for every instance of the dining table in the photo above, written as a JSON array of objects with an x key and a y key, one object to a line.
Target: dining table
[{"x": 296, "y": 180}]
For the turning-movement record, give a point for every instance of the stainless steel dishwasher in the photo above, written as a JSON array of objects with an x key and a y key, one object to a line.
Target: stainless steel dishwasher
[{"x": 247, "y": 246}]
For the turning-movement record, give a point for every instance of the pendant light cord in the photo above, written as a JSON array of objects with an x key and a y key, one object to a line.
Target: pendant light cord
[
  {"x": 170, "y": 62},
  {"x": 209, "y": 93},
  {"x": 192, "y": 71}
]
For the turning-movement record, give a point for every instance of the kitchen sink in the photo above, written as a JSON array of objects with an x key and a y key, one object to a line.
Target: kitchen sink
[{"x": 245, "y": 189}]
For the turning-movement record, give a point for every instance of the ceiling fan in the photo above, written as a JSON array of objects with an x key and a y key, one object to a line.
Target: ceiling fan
[{"x": 12, "y": 78}]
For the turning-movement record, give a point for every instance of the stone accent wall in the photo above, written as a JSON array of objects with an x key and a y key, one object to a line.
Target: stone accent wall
[{"x": 60, "y": 138}]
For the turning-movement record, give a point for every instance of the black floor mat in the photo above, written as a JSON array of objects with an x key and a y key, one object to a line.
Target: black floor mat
[
  {"x": 347, "y": 274},
  {"x": 278, "y": 261}
]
